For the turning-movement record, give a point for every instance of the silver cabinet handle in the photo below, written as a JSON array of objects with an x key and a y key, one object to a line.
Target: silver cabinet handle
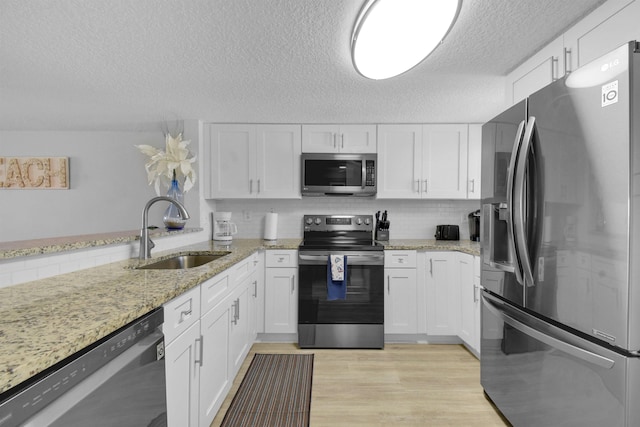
[
  {"x": 567, "y": 60},
  {"x": 473, "y": 185},
  {"x": 431, "y": 266},
  {"x": 388, "y": 285},
  {"x": 255, "y": 289},
  {"x": 238, "y": 310},
  {"x": 185, "y": 313},
  {"x": 250, "y": 186},
  {"x": 293, "y": 283},
  {"x": 475, "y": 296},
  {"x": 342, "y": 139},
  {"x": 554, "y": 65},
  {"x": 425, "y": 186},
  {"x": 418, "y": 182},
  {"x": 200, "y": 351},
  {"x": 258, "y": 186}
]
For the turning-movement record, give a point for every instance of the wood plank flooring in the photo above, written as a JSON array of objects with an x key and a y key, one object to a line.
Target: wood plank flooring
[{"x": 402, "y": 385}]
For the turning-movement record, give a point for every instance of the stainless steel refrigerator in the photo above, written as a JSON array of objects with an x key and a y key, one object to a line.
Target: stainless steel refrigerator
[{"x": 560, "y": 233}]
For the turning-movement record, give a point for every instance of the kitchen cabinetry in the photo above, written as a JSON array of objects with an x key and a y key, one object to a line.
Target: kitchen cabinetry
[
  {"x": 401, "y": 282},
  {"x": 204, "y": 353},
  {"x": 474, "y": 166},
  {"x": 339, "y": 138},
  {"x": 281, "y": 292},
  {"x": 468, "y": 269},
  {"x": 422, "y": 161},
  {"x": 442, "y": 294},
  {"x": 606, "y": 28},
  {"x": 182, "y": 356},
  {"x": 252, "y": 161}
]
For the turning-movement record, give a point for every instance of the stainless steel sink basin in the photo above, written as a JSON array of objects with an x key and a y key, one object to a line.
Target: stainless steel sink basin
[{"x": 183, "y": 261}]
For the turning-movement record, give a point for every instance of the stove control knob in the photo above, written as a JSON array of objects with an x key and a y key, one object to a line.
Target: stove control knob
[
  {"x": 309, "y": 221},
  {"x": 367, "y": 221},
  {"x": 318, "y": 221},
  {"x": 359, "y": 221}
]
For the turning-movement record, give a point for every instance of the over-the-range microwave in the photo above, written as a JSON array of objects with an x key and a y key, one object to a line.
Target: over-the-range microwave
[{"x": 337, "y": 174}]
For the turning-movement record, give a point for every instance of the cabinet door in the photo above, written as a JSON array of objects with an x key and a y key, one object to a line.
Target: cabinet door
[
  {"x": 538, "y": 71},
  {"x": 400, "y": 304},
  {"x": 278, "y": 161},
  {"x": 442, "y": 293},
  {"x": 215, "y": 371},
  {"x": 467, "y": 298},
  {"x": 357, "y": 139},
  {"x": 239, "y": 327},
  {"x": 320, "y": 138},
  {"x": 605, "y": 29},
  {"x": 230, "y": 161},
  {"x": 259, "y": 290},
  {"x": 444, "y": 157},
  {"x": 281, "y": 300},
  {"x": 182, "y": 365},
  {"x": 475, "y": 162},
  {"x": 399, "y": 161}
]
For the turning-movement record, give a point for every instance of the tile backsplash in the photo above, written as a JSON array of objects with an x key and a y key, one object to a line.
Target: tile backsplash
[{"x": 410, "y": 219}]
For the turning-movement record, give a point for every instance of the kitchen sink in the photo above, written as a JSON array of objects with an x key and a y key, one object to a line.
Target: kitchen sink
[{"x": 184, "y": 261}]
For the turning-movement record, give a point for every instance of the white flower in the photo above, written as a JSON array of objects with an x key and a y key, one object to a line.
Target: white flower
[{"x": 163, "y": 164}]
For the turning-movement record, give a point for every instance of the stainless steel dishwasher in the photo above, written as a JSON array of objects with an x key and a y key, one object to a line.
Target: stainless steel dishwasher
[{"x": 119, "y": 381}]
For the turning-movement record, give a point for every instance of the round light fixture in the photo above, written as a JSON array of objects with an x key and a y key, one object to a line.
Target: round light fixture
[{"x": 391, "y": 37}]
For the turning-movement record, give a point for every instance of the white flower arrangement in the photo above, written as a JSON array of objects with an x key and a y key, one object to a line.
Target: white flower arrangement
[{"x": 163, "y": 166}]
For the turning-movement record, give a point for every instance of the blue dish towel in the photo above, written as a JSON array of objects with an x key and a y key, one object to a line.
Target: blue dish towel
[{"x": 336, "y": 289}]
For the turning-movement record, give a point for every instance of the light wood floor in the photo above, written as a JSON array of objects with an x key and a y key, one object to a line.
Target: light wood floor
[{"x": 402, "y": 385}]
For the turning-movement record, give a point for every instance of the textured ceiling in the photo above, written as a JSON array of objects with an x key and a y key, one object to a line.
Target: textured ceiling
[{"x": 111, "y": 64}]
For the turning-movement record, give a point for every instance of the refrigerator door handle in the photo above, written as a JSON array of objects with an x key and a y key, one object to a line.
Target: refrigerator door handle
[
  {"x": 510, "y": 188},
  {"x": 549, "y": 340},
  {"x": 519, "y": 204}
]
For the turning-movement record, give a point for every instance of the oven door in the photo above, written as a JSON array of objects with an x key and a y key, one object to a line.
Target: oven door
[{"x": 364, "y": 303}]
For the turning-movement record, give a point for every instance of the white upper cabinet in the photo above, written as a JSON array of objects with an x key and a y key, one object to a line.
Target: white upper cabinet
[
  {"x": 474, "y": 170},
  {"x": 609, "y": 26},
  {"x": 339, "y": 139},
  {"x": 422, "y": 161},
  {"x": 537, "y": 72},
  {"x": 606, "y": 28},
  {"x": 252, "y": 161}
]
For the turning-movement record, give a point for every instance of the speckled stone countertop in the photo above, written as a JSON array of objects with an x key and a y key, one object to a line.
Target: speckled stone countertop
[
  {"x": 67, "y": 243},
  {"x": 466, "y": 246},
  {"x": 47, "y": 320}
]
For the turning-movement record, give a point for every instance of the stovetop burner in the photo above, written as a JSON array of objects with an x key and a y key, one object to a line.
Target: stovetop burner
[{"x": 339, "y": 232}]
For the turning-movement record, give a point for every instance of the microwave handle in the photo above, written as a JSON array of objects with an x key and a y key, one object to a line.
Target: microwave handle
[{"x": 364, "y": 173}]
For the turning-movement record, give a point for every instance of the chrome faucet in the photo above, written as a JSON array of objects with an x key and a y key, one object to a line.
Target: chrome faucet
[{"x": 145, "y": 242}]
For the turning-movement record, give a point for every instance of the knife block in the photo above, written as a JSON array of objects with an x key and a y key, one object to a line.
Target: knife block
[{"x": 382, "y": 235}]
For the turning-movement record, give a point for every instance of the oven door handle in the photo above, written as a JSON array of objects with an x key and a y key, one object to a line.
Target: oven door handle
[{"x": 352, "y": 259}]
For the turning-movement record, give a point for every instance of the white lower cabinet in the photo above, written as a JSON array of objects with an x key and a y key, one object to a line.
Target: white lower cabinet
[
  {"x": 281, "y": 292},
  {"x": 469, "y": 283},
  {"x": 203, "y": 360},
  {"x": 400, "y": 299},
  {"x": 442, "y": 294}
]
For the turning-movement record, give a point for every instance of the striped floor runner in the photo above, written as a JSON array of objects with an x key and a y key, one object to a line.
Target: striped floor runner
[{"x": 275, "y": 391}]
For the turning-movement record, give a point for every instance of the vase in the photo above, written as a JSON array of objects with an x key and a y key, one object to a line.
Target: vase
[{"x": 172, "y": 218}]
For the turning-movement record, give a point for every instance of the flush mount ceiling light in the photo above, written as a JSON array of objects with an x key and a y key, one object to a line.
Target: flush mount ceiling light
[{"x": 391, "y": 37}]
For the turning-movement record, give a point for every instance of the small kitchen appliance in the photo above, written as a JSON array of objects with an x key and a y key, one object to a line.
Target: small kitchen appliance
[
  {"x": 338, "y": 174},
  {"x": 223, "y": 228},
  {"x": 447, "y": 232},
  {"x": 474, "y": 226}
]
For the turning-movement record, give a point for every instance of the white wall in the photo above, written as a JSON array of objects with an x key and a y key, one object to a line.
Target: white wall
[
  {"x": 108, "y": 185},
  {"x": 410, "y": 219}
]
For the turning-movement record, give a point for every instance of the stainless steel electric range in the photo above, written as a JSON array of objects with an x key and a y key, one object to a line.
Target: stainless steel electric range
[{"x": 357, "y": 319}]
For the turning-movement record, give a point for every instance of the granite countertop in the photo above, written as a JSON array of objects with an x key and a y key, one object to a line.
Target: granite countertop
[
  {"x": 47, "y": 320},
  {"x": 466, "y": 246}
]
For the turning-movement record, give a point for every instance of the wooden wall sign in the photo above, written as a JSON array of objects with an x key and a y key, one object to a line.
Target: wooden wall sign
[{"x": 41, "y": 173}]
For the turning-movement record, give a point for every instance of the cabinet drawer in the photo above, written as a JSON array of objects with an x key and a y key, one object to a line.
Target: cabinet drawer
[
  {"x": 214, "y": 290},
  {"x": 400, "y": 259},
  {"x": 180, "y": 313},
  {"x": 285, "y": 258},
  {"x": 242, "y": 270}
]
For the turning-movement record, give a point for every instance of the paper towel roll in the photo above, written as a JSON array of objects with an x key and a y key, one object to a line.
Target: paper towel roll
[{"x": 271, "y": 226}]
